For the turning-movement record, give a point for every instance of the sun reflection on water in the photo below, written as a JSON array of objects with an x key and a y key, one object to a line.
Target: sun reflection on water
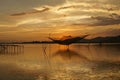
[{"x": 51, "y": 62}]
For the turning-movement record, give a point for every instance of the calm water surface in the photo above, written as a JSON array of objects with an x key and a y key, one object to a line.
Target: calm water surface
[{"x": 55, "y": 62}]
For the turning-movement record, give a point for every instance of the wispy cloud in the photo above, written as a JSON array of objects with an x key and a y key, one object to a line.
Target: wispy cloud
[
  {"x": 112, "y": 19},
  {"x": 73, "y": 16},
  {"x": 31, "y": 12},
  {"x": 65, "y": 13}
]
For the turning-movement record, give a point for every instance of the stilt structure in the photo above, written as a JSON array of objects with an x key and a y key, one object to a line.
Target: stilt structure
[{"x": 11, "y": 49}]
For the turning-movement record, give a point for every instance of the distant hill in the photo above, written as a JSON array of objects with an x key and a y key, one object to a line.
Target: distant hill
[{"x": 115, "y": 39}]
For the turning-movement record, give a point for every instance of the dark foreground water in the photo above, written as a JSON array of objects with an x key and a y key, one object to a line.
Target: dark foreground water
[{"x": 54, "y": 62}]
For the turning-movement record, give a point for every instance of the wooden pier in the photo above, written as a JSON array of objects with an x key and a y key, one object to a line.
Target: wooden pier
[{"x": 11, "y": 49}]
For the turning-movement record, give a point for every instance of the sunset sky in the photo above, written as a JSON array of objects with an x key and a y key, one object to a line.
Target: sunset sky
[{"x": 26, "y": 20}]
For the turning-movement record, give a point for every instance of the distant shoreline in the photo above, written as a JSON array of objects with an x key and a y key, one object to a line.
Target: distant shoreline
[{"x": 80, "y": 43}]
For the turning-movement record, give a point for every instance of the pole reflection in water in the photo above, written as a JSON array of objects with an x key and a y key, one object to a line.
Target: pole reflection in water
[
  {"x": 11, "y": 49},
  {"x": 49, "y": 62},
  {"x": 68, "y": 55}
]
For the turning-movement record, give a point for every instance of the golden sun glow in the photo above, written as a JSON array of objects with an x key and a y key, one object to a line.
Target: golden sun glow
[{"x": 68, "y": 17}]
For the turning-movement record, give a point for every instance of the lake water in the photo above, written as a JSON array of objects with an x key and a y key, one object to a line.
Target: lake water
[{"x": 55, "y": 62}]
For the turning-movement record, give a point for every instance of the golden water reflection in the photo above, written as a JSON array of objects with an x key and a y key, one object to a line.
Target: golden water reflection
[{"x": 50, "y": 62}]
